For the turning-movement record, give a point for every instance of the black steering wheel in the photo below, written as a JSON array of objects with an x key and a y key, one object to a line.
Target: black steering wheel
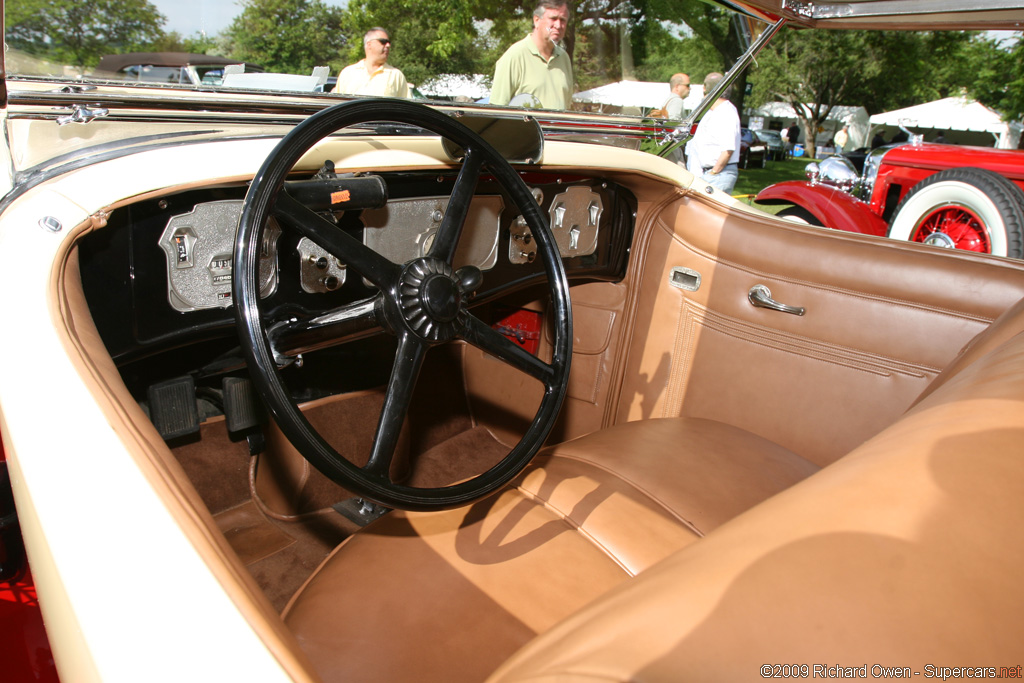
[{"x": 424, "y": 302}]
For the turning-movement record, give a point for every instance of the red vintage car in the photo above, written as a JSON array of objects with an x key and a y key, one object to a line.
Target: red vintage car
[{"x": 944, "y": 195}]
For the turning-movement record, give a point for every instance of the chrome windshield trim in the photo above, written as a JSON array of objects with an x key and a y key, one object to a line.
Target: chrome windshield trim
[
  {"x": 24, "y": 181},
  {"x": 891, "y": 8},
  {"x": 215, "y": 108}
]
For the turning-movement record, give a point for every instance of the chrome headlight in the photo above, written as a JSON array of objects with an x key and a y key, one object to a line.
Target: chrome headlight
[{"x": 836, "y": 171}]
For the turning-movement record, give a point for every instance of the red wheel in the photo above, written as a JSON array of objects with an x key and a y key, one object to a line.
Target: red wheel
[{"x": 953, "y": 226}]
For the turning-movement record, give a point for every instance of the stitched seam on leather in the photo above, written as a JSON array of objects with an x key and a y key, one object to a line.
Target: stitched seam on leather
[
  {"x": 618, "y": 475},
  {"x": 596, "y": 383},
  {"x": 811, "y": 348},
  {"x": 682, "y": 359},
  {"x": 674, "y": 365},
  {"x": 903, "y": 303},
  {"x": 643, "y": 233}
]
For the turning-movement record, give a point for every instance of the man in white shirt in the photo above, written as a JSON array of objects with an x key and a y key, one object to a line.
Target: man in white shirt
[
  {"x": 841, "y": 138},
  {"x": 372, "y": 75},
  {"x": 714, "y": 152}
]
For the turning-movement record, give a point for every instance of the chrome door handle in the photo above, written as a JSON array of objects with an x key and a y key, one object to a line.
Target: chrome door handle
[{"x": 761, "y": 296}]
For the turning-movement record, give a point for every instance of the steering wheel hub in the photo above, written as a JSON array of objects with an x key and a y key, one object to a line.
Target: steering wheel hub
[
  {"x": 431, "y": 299},
  {"x": 441, "y": 298}
]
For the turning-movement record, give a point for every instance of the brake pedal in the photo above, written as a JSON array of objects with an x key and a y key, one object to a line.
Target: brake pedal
[
  {"x": 173, "y": 408},
  {"x": 241, "y": 407}
]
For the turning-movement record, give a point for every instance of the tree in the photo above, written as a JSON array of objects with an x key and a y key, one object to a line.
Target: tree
[
  {"x": 998, "y": 74},
  {"x": 636, "y": 30},
  {"x": 288, "y": 36},
  {"x": 198, "y": 43},
  {"x": 923, "y": 66},
  {"x": 468, "y": 36},
  {"x": 812, "y": 71},
  {"x": 78, "y": 33},
  {"x": 668, "y": 54},
  {"x": 428, "y": 38},
  {"x": 815, "y": 71}
]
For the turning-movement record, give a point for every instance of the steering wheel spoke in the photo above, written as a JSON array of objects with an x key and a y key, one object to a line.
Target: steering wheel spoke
[
  {"x": 404, "y": 372},
  {"x": 342, "y": 325},
  {"x": 350, "y": 251},
  {"x": 447, "y": 240},
  {"x": 498, "y": 345}
]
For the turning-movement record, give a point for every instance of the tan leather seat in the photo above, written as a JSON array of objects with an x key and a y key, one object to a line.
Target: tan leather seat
[
  {"x": 451, "y": 595},
  {"x": 903, "y": 553}
]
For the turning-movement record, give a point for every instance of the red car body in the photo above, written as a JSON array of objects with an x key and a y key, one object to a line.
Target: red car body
[{"x": 890, "y": 173}]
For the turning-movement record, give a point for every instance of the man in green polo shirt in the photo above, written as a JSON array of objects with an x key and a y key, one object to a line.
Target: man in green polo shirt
[{"x": 537, "y": 68}]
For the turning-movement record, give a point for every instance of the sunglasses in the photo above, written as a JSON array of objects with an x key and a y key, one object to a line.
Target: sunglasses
[{"x": 382, "y": 41}]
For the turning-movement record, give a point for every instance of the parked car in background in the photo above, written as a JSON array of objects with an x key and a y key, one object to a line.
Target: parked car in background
[
  {"x": 299, "y": 387},
  {"x": 183, "y": 68},
  {"x": 950, "y": 196},
  {"x": 775, "y": 145},
  {"x": 752, "y": 150}
]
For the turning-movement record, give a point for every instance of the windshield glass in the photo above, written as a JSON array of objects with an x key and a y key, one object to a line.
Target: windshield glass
[{"x": 603, "y": 56}]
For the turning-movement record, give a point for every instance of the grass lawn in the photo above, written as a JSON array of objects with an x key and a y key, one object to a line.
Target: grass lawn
[{"x": 753, "y": 180}]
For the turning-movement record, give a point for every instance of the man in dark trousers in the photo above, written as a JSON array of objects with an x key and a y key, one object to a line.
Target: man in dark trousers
[{"x": 792, "y": 133}]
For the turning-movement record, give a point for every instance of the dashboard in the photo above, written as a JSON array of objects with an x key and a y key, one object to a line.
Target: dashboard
[{"x": 158, "y": 277}]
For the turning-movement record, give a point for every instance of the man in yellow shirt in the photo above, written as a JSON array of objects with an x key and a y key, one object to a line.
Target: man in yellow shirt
[
  {"x": 537, "y": 69},
  {"x": 372, "y": 75}
]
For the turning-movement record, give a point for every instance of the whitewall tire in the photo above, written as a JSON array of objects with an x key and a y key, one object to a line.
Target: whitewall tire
[{"x": 963, "y": 208}]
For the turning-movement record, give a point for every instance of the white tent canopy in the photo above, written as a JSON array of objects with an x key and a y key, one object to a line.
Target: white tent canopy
[
  {"x": 645, "y": 94},
  {"x": 457, "y": 85},
  {"x": 953, "y": 114},
  {"x": 854, "y": 117}
]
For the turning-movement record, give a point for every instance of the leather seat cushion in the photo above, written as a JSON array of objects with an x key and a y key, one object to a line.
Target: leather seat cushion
[
  {"x": 450, "y": 595},
  {"x": 704, "y": 472},
  {"x": 446, "y": 596}
]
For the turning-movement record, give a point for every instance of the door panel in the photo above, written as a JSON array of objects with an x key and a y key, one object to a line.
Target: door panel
[{"x": 882, "y": 319}]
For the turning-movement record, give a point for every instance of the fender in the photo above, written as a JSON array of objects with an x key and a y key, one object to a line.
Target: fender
[{"x": 831, "y": 206}]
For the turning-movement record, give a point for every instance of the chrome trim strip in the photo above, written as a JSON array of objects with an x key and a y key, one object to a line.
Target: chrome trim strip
[
  {"x": 891, "y": 8},
  {"x": 26, "y": 180},
  {"x": 139, "y": 109},
  {"x": 211, "y": 101}
]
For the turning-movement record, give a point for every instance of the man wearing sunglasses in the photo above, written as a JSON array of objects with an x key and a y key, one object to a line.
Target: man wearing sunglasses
[{"x": 372, "y": 75}]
